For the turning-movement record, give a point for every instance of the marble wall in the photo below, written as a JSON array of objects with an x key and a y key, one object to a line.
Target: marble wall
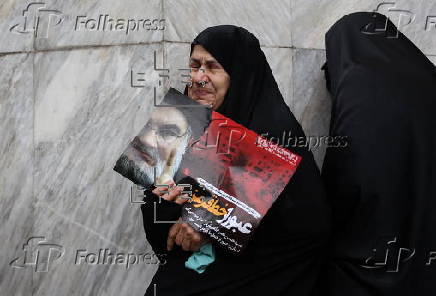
[{"x": 68, "y": 108}]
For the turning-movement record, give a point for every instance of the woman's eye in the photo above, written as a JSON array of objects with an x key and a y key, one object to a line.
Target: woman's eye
[
  {"x": 194, "y": 65},
  {"x": 215, "y": 66}
]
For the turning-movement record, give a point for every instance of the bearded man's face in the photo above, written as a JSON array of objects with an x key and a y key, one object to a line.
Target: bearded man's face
[{"x": 155, "y": 154}]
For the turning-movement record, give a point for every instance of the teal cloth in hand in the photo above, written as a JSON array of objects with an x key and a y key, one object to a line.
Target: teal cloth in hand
[{"x": 200, "y": 259}]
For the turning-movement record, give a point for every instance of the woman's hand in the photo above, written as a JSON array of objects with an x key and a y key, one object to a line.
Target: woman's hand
[
  {"x": 180, "y": 233},
  {"x": 185, "y": 236},
  {"x": 171, "y": 193}
]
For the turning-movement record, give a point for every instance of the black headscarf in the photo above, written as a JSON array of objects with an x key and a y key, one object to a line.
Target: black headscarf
[
  {"x": 383, "y": 185},
  {"x": 253, "y": 98}
]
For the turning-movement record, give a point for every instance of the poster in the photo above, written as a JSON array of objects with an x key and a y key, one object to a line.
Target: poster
[{"x": 234, "y": 174}]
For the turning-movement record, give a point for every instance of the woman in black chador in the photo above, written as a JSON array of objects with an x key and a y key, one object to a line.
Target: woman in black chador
[
  {"x": 382, "y": 187},
  {"x": 284, "y": 255}
]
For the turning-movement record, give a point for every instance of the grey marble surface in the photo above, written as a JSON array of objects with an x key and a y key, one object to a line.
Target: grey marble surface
[
  {"x": 87, "y": 23},
  {"x": 311, "y": 19},
  {"x": 16, "y": 175},
  {"x": 85, "y": 114},
  {"x": 62, "y": 24},
  {"x": 176, "y": 59},
  {"x": 268, "y": 20},
  {"x": 68, "y": 109},
  {"x": 280, "y": 61},
  {"x": 311, "y": 100},
  {"x": 13, "y": 37},
  {"x": 422, "y": 28},
  {"x": 85, "y": 267}
]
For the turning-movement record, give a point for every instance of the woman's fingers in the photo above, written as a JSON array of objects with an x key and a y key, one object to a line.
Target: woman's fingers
[
  {"x": 182, "y": 198},
  {"x": 186, "y": 243},
  {"x": 168, "y": 193},
  {"x": 196, "y": 241},
  {"x": 191, "y": 240},
  {"x": 185, "y": 236},
  {"x": 172, "y": 233},
  {"x": 160, "y": 190},
  {"x": 171, "y": 192},
  {"x": 180, "y": 235}
]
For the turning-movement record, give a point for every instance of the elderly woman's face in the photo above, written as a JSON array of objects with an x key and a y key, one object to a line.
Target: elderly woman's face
[{"x": 204, "y": 67}]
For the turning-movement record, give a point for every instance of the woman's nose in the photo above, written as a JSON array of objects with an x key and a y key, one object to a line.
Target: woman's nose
[{"x": 199, "y": 75}]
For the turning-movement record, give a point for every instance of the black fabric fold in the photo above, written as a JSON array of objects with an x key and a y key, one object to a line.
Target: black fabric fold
[
  {"x": 382, "y": 185},
  {"x": 155, "y": 209}
]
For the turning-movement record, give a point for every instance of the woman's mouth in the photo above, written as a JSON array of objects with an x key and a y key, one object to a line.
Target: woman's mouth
[{"x": 200, "y": 93}]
